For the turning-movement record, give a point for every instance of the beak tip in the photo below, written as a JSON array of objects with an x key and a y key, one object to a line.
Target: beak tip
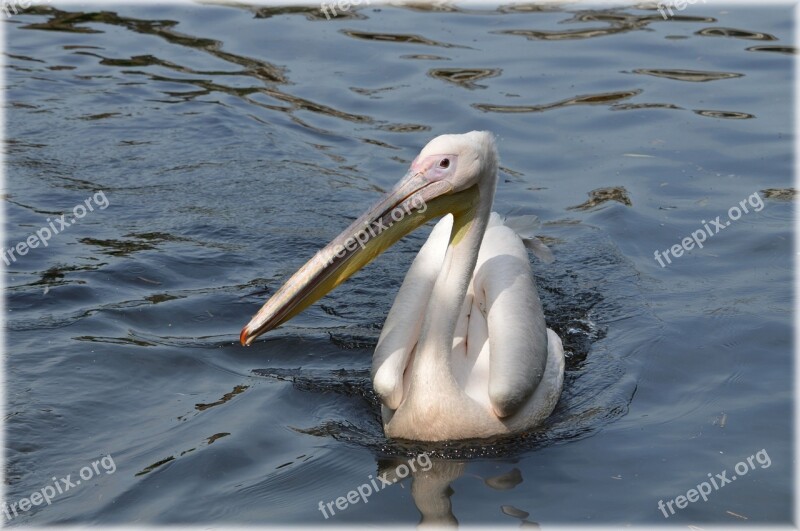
[{"x": 244, "y": 338}]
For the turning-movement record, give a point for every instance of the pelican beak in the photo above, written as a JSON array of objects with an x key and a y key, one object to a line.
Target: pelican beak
[{"x": 414, "y": 201}]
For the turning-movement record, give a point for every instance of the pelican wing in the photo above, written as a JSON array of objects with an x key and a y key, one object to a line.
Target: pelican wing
[
  {"x": 515, "y": 321},
  {"x": 525, "y": 226},
  {"x": 404, "y": 322}
]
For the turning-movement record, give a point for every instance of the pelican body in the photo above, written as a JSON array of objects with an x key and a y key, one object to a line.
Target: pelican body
[{"x": 464, "y": 352}]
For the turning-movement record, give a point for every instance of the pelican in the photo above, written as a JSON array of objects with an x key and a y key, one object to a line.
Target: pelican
[{"x": 464, "y": 352}]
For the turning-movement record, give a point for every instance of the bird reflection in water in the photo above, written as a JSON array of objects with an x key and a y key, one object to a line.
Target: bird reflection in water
[{"x": 431, "y": 489}]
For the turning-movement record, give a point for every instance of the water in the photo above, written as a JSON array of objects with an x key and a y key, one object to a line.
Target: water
[{"x": 231, "y": 142}]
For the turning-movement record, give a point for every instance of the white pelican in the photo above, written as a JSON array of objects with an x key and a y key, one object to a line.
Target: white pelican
[{"x": 464, "y": 352}]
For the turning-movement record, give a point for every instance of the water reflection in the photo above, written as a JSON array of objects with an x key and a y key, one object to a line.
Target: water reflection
[
  {"x": 736, "y": 34},
  {"x": 432, "y": 490},
  {"x": 727, "y": 115},
  {"x": 261, "y": 70},
  {"x": 396, "y": 37},
  {"x": 465, "y": 77},
  {"x": 588, "y": 99},
  {"x": 311, "y": 13},
  {"x": 72, "y": 22},
  {"x": 687, "y": 75},
  {"x": 602, "y": 195},
  {"x": 617, "y": 22},
  {"x": 790, "y": 50},
  {"x": 780, "y": 194},
  {"x": 271, "y": 94}
]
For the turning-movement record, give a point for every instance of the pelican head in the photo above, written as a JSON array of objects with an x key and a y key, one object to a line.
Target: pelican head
[{"x": 453, "y": 174}]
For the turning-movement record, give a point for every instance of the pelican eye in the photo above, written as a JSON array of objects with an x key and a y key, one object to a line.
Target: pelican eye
[{"x": 444, "y": 163}]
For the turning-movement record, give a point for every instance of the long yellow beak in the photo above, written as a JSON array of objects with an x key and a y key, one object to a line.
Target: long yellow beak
[{"x": 413, "y": 202}]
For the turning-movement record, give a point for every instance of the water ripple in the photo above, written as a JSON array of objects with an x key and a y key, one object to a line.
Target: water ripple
[{"x": 586, "y": 99}]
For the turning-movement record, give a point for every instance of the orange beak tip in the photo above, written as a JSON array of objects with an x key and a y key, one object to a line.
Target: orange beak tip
[{"x": 243, "y": 337}]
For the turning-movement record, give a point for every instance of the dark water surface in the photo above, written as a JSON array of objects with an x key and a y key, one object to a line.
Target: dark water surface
[{"x": 231, "y": 142}]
